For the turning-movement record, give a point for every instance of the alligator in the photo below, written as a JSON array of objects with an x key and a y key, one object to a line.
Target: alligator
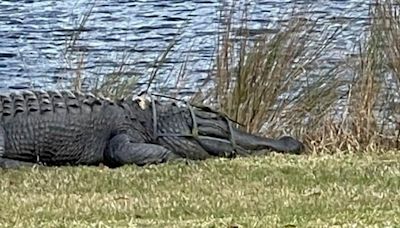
[{"x": 56, "y": 128}]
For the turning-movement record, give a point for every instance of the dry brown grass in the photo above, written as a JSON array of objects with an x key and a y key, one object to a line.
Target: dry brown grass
[
  {"x": 369, "y": 119},
  {"x": 266, "y": 79},
  {"x": 269, "y": 82},
  {"x": 249, "y": 85},
  {"x": 264, "y": 82}
]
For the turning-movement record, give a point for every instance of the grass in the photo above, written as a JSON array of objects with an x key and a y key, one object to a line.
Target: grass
[
  {"x": 258, "y": 82},
  {"x": 288, "y": 191}
]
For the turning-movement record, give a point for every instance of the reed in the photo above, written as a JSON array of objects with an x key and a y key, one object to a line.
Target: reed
[
  {"x": 116, "y": 83},
  {"x": 273, "y": 83},
  {"x": 368, "y": 122},
  {"x": 269, "y": 83}
]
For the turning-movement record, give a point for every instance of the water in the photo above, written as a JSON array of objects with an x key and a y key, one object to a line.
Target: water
[{"x": 34, "y": 36}]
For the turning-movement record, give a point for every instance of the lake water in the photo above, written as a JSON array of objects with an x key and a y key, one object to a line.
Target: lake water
[{"x": 34, "y": 36}]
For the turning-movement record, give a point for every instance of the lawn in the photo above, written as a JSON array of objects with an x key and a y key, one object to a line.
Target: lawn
[{"x": 277, "y": 190}]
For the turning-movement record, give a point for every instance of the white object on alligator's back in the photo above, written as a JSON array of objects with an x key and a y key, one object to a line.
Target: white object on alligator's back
[{"x": 143, "y": 100}]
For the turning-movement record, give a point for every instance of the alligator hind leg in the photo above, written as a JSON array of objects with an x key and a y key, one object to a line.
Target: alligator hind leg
[
  {"x": 122, "y": 150},
  {"x": 6, "y": 163}
]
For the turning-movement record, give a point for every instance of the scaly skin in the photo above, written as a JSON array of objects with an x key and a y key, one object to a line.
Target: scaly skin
[
  {"x": 65, "y": 128},
  {"x": 56, "y": 128},
  {"x": 211, "y": 126}
]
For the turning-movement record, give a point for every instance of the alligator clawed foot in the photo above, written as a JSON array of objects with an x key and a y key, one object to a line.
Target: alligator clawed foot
[{"x": 6, "y": 163}]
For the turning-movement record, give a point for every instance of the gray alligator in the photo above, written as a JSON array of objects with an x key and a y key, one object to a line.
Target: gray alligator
[{"x": 69, "y": 128}]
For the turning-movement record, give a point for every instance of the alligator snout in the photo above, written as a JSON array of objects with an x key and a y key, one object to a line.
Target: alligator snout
[{"x": 292, "y": 145}]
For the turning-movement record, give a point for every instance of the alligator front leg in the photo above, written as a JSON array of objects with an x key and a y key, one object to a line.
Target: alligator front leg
[
  {"x": 6, "y": 163},
  {"x": 123, "y": 150}
]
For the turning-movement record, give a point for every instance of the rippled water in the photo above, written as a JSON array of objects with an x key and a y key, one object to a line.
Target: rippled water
[{"x": 34, "y": 34}]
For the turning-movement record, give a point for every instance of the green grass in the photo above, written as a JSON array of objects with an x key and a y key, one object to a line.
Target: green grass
[{"x": 249, "y": 192}]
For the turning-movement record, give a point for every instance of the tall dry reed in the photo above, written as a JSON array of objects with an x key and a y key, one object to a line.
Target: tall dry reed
[{"x": 267, "y": 82}]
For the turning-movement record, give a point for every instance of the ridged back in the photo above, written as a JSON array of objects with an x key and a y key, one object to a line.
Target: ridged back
[{"x": 38, "y": 101}]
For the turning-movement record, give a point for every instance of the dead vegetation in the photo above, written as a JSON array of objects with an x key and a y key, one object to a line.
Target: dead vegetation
[
  {"x": 272, "y": 83},
  {"x": 269, "y": 83}
]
